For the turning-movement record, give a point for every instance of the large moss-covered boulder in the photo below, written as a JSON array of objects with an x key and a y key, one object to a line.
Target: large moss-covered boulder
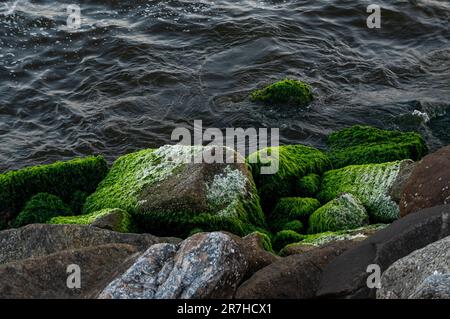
[
  {"x": 112, "y": 219},
  {"x": 62, "y": 179},
  {"x": 370, "y": 183},
  {"x": 365, "y": 144},
  {"x": 289, "y": 209},
  {"x": 169, "y": 191},
  {"x": 40, "y": 209},
  {"x": 286, "y": 237},
  {"x": 293, "y": 162},
  {"x": 344, "y": 212},
  {"x": 289, "y": 92}
]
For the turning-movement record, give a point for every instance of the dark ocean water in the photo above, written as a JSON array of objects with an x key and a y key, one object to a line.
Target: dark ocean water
[{"x": 135, "y": 70}]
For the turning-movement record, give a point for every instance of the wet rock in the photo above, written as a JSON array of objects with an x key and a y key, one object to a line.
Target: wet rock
[
  {"x": 346, "y": 276},
  {"x": 429, "y": 183},
  {"x": 403, "y": 278},
  {"x": 47, "y": 276},
  {"x": 42, "y": 239}
]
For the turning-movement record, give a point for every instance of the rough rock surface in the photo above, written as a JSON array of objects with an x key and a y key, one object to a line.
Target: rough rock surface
[
  {"x": 406, "y": 169},
  {"x": 47, "y": 276},
  {"x": 42, "y": 239},
  {"x": 293, "y": 277},
  {"x": 436, "y": 286},
  {"x": 429, "y": 183},
  {"x": 404, "y": 276},
  {"x": 206, "y": 265},
  {"x": 346, "y": 276}
]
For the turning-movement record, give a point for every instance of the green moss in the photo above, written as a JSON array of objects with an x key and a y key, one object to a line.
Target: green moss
[
  {"x": 291, "y": 92},
  {"x": 309, "y": 185},
  {"x": 124, "y": 226},
  {"x": 41, "y": 208},
  {"x": 365, "y": 145},
  {"x": 294, "y": 162},
  {"x": 344, "y": 212},
  {"x": 61, "y": 179},
  {"x": 131, "y": 174},
  {"x": 294, "y": 225},
  {"x": 292, "y": 208},
  {"x": 286, "y": 237},
  {"x": 77, "y": 201},
  {"x": 370, "y": 183}
]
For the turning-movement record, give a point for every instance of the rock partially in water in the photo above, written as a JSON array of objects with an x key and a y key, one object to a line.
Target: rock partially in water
[
  {"x": 407, "y": 276},
  {"x": 169, "y": 194},
  {"x": 365, "y": 145},
  {"x": 285, "y": 92},
  {"x": 429, "y": 183}
]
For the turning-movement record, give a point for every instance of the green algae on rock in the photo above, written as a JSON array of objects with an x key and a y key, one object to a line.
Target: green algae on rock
[
  {"x": 370, "y": 183},
  {"x": 294, "y": 162},
  {"x": 344, "y": 212},
  {"x": 288, "y": 91},
  {"x": 292, "y": 208},
  {"x": 286, "y": 237},
  {"x": 309, "y": 185},
  {"x": 365, "y": 144},
  {"x": 294, "y": 225},
  {"x": 41, "y": 208},
  {"x": 61, "y": 179},
  {"x": 168, "y": 194},
  {"x": 113, "y": 219}
]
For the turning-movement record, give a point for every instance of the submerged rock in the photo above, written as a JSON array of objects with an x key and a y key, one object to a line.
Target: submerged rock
[
  {"x": 365, "y": 144},
  {"x": 206, "y": 265},
  {"x": 405, "y": 277},
  {"x": 370, "y": 183},
  {"x": 429, "y": 183},
  {"x": 344, "y": 212},
  {"x": 169, "y": 194},
  {"x": 112, "y": 219},
  {"x": 293, "y": 162},
  {"x": 289, "y": 92}
]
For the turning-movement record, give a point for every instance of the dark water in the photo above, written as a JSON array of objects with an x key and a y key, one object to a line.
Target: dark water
[{"x": 137, "y": 69}]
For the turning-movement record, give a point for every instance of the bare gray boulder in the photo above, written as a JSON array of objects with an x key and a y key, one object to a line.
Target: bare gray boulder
[
  {"x": 404, "y": 277},
  {"x": 206, "y": 265},
  {"x": 436, "y": 286}
]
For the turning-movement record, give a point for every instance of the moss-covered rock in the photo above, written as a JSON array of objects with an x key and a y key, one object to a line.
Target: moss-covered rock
[
  {"x": 167, "y": 194},
  {"x": 61, "y": 179},
  {"x": 40, "y": 209},
  {"x": 344, "y": 212},
  {"x": 309, "y": 185},
  {"x": 364, "y": 145},
  {"x": 285, "y": 237},
  {"x": 292, "y": 208},
  {"x": 316, "y": 240},
  {"x": 370, "y": 183},
  {"x": 290, "y": 92},
  {"x": 262, "y": 239},
  {"x": 294, "y": 225},
  {"x": 113, "y": 219},
  {"x": 294, "y": 163}
]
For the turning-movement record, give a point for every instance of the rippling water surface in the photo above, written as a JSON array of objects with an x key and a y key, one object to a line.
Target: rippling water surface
[{"x": 137, "y": 69}]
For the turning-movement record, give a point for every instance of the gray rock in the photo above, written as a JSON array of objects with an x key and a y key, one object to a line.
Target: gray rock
[
  {"x": 42, "y": 239},
  {"x": 405, "y": 275},
  {"x": 46, "y": 276},
  {"x": 406, "y": 169},
  {"x": 433, "y": 287},
  {"x": 206, "y": 265}
]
